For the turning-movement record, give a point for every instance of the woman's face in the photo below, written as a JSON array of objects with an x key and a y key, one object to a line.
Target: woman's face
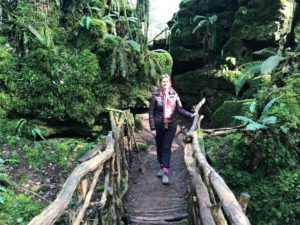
[{"x": 165, "y": 83}]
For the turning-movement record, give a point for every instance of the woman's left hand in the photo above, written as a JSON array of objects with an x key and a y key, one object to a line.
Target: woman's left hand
[{"x": 194, "y": 114}]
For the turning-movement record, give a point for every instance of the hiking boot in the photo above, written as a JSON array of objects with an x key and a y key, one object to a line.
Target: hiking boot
[
  {"x": 165, "y": 179},
  {"x": 160, "y": 173}
]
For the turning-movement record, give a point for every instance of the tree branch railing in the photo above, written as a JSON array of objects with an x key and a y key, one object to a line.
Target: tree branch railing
[
  {"x": 104, "y": 167},
  {"x": 207, "y": 187}
]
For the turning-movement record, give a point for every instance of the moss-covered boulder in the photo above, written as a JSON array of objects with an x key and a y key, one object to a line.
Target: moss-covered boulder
[
  {"x": 265, "y": 24},
  {"x": 215, "y": 86},
  {"x": 223, "y": 116}
]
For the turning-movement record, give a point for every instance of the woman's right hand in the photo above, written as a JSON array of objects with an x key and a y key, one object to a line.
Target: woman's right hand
[{"x": 153, "y": 132}]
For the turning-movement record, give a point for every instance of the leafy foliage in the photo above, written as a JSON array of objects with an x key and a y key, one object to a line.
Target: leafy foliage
[
  {"x": 249, "y": 70},
  {"x": 210, "y": 35},
  {"x": 263, "y": 120}
]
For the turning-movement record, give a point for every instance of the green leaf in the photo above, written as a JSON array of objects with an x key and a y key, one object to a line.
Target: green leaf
[
  {"x": 244, "y": 119},
  {"x": 255, "y": 126},
  {"x": 213, "y": 19},
  {"x": 248, "y": 70},
  {"x": 270, "y": 64},
  {"x": 88, "y": 22},
  {"x": 200, "y": 24},
  {"x": 2, "y": 188},
  {"x": 269, "y": 120},
  {"x": 19, "y": 126},
  {"x": 268, "y": 106},
  {"x": 1, "y": 200},
  {"x": 265, "y": 52},
  {"x": 199, "y": 17},
  {"x": 136, "y": 46},
  {"x": 37, "y": 132},
  {"x": 252, "y": 106},
  {"x": 57, "y": 2},
  {"x": 37, "y": 35},
  {"x": 1, "y": 160}
]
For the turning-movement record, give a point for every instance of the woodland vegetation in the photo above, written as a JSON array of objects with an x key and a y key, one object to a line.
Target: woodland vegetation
[{"x": 64, "y": 62}]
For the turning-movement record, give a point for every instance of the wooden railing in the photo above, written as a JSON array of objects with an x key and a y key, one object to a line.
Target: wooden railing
[
  {"x": 207, "y": 187},
  {"x": 106, "y": 165}
]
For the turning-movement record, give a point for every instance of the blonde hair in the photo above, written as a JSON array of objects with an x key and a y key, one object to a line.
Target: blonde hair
[{"x": 163, "y": 77}]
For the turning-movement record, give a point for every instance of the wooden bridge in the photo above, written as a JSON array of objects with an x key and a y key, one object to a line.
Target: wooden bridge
[{"x": 103, "y": 176}]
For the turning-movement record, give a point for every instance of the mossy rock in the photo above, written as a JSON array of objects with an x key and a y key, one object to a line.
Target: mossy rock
[
  {"x": 255, "y": 85},
  {"x": 182, "y": 54},
  {"x": 98, "y": 28},
  {"x": 287, "y": 109},
  {"x": 164, "y": 61},
  {"x": 267, "y": 24},
  {"x": 217, "y": 87},
  {"x": 236, "y": 48},
  {"x": 223, "y": 116}
]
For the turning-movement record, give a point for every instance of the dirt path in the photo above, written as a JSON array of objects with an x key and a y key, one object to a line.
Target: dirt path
[{"x": 147, "y": 200}]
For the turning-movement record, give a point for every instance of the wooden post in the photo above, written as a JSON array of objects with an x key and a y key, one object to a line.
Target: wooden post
[
  {"x": 50, "y": 214},
  {"x": 88, "y": 196},
  {"x": 244, "y": 200}
]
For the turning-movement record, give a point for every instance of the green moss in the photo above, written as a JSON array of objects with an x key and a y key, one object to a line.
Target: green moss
[
  {"x": 268, "y": 23},
  {"x": 255, "y": 85},
  {"x": 18, "y": 208},
  {"x": 263, "y": 166},
  {"x": 297, "y": 33},
  {"x": 182, "y": 54},
  {"x": 98, "y": 28},
  {"x": 164, "y": 61},
  {"x": 223, "y": 116},
  {"x": 235, "y": 47}
]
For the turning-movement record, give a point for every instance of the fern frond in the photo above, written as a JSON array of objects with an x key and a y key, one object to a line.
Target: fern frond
[
  {"x": 255, "y": 126},
  {"x": 265, "y": 52},
  {"x": 244, "y": 119},
  {"x": 199, "y": 17},
  {"x": 136, "y": 46},
  {"x": 37, "y": 34},
  {"x": 248, "y": 70},
  {"x": 213, "y": 19},
  {"x": 200, "y": 24},
  {"x": 270, "y": 64},
  {"x": 269, "y": 120},
  {"x": 268, "y": 106},
  {"x": 19, "y": 125},
  {"x": 37, "y": 132}
]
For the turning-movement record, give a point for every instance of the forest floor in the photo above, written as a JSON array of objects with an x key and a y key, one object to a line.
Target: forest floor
[{"x": 147, "y": 200}]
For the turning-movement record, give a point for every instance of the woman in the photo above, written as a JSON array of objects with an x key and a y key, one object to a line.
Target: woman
[{"x": 164, "y": 103}]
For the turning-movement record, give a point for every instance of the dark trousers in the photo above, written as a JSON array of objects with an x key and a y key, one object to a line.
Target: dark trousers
[{"x": 164, "y": 138}]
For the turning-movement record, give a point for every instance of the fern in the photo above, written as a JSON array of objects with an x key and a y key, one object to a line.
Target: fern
[
  {"x": 248, "y": 70},
  {"x": 40, "y": 37},
  {"x": 270, "y": 64},
  {"x": 19, "y": 126},
  {"x": 136, "y": 46},
  {"x": 255, "y": 126},
  {"x": 199, "y": 17},
  {"x": 268, "y": 106},
  {"x": 269, "y": 120},
  {"x": 199, "y": 25},
  {"x": 37, "y": 132},
  {"x": 265, "y": 52}
]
